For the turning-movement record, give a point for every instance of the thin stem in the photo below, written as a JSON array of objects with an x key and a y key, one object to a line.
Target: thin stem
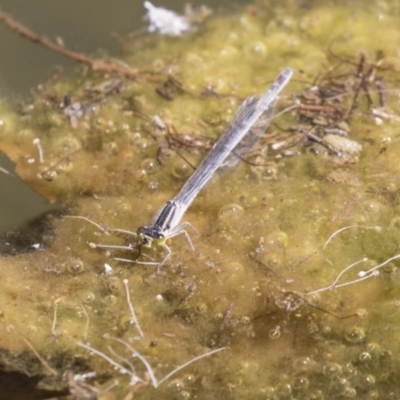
[
  {"x": 133, "y": 314},
  {"x": 96, "y": 65}
]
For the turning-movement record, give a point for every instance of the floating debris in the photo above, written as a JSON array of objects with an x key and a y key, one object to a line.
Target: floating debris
[
  {"x": 165, "y": 22},
  {"x": 73, "y": 111},
  {"x": 345, "y": 146}
]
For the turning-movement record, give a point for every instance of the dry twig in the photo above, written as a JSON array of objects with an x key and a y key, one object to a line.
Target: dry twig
[{"x": 96, "y": 65}]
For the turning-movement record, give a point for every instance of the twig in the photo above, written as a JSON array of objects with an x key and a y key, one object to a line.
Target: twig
[
  {"x": 322, "y": 309},
  {"x": 49, "y": 170},
  {"x": 96, "y": 65},
  {"x": 52, "y": 371}
]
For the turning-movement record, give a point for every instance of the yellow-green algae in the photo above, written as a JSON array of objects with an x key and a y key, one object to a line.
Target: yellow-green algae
[{"x": 262, "y": 235}]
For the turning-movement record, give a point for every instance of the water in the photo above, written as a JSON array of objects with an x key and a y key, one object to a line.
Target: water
[
  {"x": 264, "y": 229},
  {"x": 85, "y": 26}
]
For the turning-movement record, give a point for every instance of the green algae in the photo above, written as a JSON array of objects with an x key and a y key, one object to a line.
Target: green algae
[{"x": 264, "y": 230}]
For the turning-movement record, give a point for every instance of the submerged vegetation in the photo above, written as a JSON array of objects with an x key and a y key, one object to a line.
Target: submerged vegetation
[{"x": 292, "y": 292}]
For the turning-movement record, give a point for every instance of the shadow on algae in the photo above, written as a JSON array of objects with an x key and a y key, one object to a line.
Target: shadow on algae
[{"x": 295, "y": 275}]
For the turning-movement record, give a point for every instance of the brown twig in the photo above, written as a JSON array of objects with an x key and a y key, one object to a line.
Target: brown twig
[
  {"x": 318, "y": 107},
  {"x": 11, "y": 329},
  {"x": 299, "y": 296},
  {"x": 96, "y": 65}
]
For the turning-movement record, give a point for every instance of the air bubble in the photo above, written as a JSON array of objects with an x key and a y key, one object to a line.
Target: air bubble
[
  {"x": 270, "y": 172},
  {"x": 367, "y": 382},
  {"x": 314, "y": 300},
  {"x": 343, "y": 382},
  {"x": 284, "y": 390},
  {"x": 355, "y": 335},
  {"x": 219, "y": 316},
  {"x": 373, "y": 207},
  {"x": 365, "y": 356},
  {"x": 183, "y": 395},
  {"x": 31, "y": 329},
  {"x": 126, "y": 322},
  {"x": 181, "y": 169},
  {"x": 142, "y": 145},
  {"x": 114, "y": 284},
  {"x": 316, "y": 395},
  {"x": 75, "y": 267},
  {"x": 304, "y": 364},
  {"x": 48, "y": 175},
  {"x": 332, "y": 370},
  {"x": 374, "y": 349},
  {"x": 149, "y": 165},
  {"x": 153, "y": 185},
  {"x": 268, "y": 393},
  {"x": 257, "y": 48},
  {"x": 176, "y": 386},
  {"x": 349, "y": 370},
  {"x": 110, "y": 300},
  {"x": 301, "y": 383},
  {"x": 349, "y": 393},
  {"x": 189, "y": 378},
  {"x": 112, "y": 149},
  {"x": 88, "y": 297},
  {"x": 229, "y": 212},
  {"x": 374, "y": 395},
  {"x": 134, "y": 137},
  {"x": 201, "y": 308},
  {"x": 274, "y": 334},
  {"x": 140, "y": 175},
  {"x": 67, "y": 144}
]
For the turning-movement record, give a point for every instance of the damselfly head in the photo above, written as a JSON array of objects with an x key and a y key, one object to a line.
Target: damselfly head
[{"x": 147, "y": 234}]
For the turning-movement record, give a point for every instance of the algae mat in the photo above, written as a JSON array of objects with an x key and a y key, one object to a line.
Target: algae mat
[{"x": 294, "y": 281}]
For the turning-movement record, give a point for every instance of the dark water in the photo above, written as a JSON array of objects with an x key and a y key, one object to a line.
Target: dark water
[{"x": 87, "y": 26}]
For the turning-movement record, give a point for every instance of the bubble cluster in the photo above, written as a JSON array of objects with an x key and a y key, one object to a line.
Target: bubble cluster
[{"x": 263, "y": 245}]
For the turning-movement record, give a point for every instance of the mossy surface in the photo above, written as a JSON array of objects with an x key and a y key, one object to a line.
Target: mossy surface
[{"x": 265, "y": 229}]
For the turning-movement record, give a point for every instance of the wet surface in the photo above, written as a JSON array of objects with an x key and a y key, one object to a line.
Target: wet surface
[
  {"x": 295, "y": 276},
  {"x": 15, "y": 386},
  {"x": 85, "y": 26}
]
